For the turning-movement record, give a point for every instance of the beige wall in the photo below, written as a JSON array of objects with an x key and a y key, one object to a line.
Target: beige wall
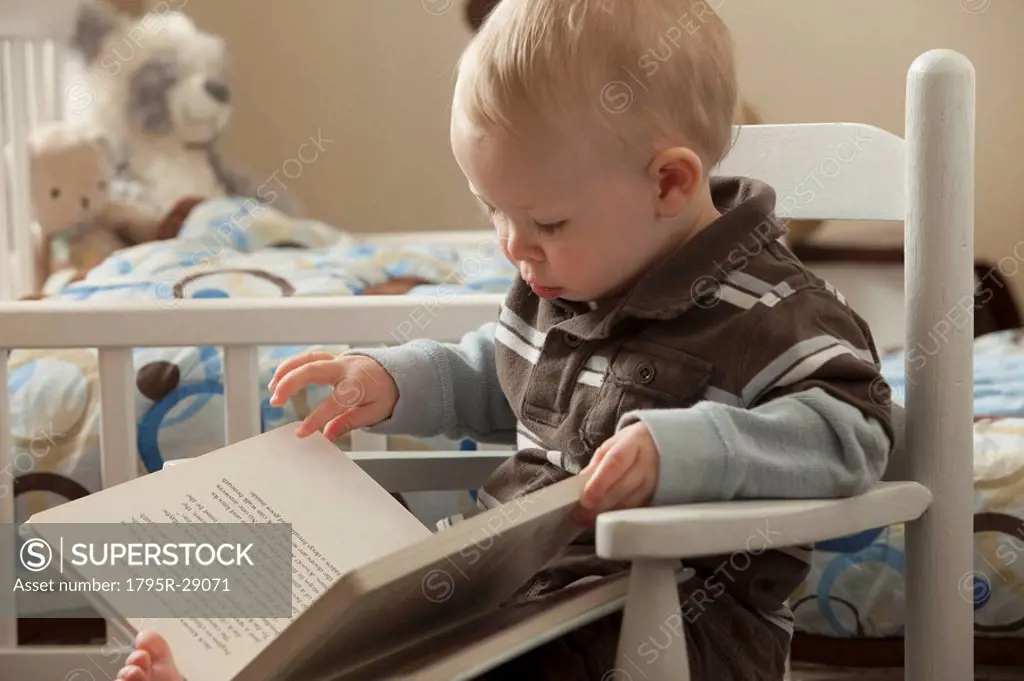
[{"x": 375, "y": 77}]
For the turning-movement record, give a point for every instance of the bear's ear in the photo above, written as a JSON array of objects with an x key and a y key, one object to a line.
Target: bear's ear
[
  {"x": 111, "y": 151},
  {"x": 95, "y": 22}
]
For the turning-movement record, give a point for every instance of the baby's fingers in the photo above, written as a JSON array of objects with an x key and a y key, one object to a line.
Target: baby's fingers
[
  {"x": 318, "y": 418},
  {"x": 294, "y": 363},
  {"x": 140, "y": 659},
  {"x": 613, "y": 490},
  {"x": 349, "y": 420},
  {"x": 625, "y": 488},
  {"x": 131, "y": 673},
  {"x": 320, "y": 372},
  {"x": 612, "y": 467}
]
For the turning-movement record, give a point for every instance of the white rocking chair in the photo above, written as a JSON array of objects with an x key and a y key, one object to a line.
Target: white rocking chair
[{"x": 852, "y": 172}]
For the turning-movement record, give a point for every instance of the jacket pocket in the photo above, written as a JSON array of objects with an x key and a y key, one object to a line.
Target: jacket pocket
[{"x": 645, "y": 375}]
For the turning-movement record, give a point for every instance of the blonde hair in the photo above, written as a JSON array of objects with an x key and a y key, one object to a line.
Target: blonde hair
[{"x": 646, "y": 69}]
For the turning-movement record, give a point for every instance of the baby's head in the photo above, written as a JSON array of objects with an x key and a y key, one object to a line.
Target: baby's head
[{"x": 588, "y": 128}]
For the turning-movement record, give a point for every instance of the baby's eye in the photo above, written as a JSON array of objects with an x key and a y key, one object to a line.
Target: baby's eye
[
  {"x": 489, "y": 211},
  {"x": 550, "y": 227},
  {"x": 484, "y": 206}
]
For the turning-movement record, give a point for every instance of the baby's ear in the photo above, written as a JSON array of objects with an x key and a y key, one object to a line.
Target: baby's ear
[
  {"x": 95, "y": 22},
  {"x": 677, "y": 173}
]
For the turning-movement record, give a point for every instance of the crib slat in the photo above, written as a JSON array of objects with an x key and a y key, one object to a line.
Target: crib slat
[
  {"x": 242, "y": 393},
  {"x": 52, "y": 80},
  {"x": 8, "y": 626},
  {"x": 118, "y": 460},
  {"x": 8, "y": 276},
  {"x": 31, "y": 70},
  {"x": 16, "y": 99},
  {"x": 363, "y": 441}
]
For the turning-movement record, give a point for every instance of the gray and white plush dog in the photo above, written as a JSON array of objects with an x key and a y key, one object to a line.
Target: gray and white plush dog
[{"x": 159, "y": 87}]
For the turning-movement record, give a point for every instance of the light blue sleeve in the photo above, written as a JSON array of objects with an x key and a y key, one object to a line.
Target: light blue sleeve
[
  {"x": 803, "y": 445},
  {"x": 448, "y": 389}
]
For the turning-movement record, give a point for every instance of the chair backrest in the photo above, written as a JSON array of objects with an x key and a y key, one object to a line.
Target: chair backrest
[
  {"x": 926, "y": 179},
  {"x": 829, "y": 171},
  {"x": 826, "y": 171}
]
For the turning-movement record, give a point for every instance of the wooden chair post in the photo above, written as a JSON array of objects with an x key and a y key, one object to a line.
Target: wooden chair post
[{"x": 939, "y": 429}]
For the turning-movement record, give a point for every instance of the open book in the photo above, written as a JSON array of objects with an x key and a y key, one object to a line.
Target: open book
[{"x": 375, "y": 594}]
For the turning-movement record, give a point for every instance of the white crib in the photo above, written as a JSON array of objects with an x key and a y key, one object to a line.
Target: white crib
[
  {"x": 31, "y": 92},
  {"x": 926, "y": 178}
]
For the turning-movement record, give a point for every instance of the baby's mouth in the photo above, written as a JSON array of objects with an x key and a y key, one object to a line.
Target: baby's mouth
[{"x": 546, "y": 291}]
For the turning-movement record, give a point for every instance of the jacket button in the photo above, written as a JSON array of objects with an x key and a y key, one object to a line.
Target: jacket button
[
  {"x": 645, "y": 373},
  {"x": 573, "y": 341}
]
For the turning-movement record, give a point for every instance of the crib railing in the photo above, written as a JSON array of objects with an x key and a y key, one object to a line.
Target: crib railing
[
  {"x": 32, "y": 33},
  {"x": 240, "y": 328}
]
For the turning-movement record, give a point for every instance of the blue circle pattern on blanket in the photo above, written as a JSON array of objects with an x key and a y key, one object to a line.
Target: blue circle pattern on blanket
[
  {"x": 149, "y": 427},
  {"x": 211, "y": 293},
  {"x": 875, "y": 553},
  {"x": 852, "y": 543},
  {"x": 209, "y": 359},
  {"x": 19, "y": 377},
  {"x": 158, "y": 416},
  {"x": 981, "y": 591}
]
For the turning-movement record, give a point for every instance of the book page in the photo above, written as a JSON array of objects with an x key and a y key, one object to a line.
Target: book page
[
  {"x": 339, "y": 518},
  {"x": 481, "y": 643},
  {"x": 461, "y": 572}
]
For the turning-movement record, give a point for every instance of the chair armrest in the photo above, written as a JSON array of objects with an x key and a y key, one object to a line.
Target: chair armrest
[{"x": 709, "y": 529}]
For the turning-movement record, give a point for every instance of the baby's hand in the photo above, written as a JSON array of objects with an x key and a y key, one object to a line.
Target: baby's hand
[
  {"x": 150, "y": 661},
  {"x": 362, "y": 392},
  {"x": 623, "y": 473}
]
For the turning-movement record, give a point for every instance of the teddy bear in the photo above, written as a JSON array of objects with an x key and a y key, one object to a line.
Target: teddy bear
[
  {"x": 159, "y": 86},
  {"x": 76, "y": 222}
]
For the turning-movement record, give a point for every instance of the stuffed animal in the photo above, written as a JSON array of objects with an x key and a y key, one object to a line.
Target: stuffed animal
[
  {"x": 77, "y": 224},
  {"x": 159, "y": 86}
]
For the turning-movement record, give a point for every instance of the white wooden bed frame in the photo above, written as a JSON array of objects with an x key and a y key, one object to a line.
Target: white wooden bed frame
[
  {"x": 852, "y": 172},
  {"x": 31, "y": 35}
]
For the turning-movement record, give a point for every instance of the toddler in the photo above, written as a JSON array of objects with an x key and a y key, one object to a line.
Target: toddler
[{"x": 658, "y": 338}]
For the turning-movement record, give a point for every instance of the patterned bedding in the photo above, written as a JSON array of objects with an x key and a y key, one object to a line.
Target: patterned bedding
[{"x": 225, "y": 249}]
